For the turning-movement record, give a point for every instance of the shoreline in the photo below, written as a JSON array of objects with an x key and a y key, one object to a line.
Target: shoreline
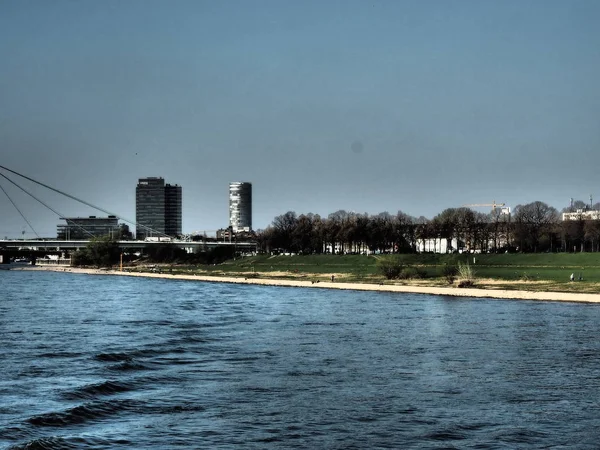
[{"x": 429, "y": 290}]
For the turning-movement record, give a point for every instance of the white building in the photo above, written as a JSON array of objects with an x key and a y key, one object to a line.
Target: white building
[
  {"x": 240, "y": 206},
  {"x": 581, "y": 214},
  {"x": 436, "y": 245}
]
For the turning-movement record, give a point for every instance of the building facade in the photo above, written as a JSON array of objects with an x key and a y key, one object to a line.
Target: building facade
[
  {"x": 157, "y": 208},
  {"x": 240, "y": 206},
  {"x": 173, "y": 210},
  {"x": 582, "y": 214},
  {"x": 83, "y": 228}
]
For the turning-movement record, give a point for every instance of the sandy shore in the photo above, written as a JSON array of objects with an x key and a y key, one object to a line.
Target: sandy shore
[{"x": 446, "y": 291}]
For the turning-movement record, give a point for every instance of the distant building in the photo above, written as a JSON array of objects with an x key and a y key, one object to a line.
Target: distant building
[
  {"x": 173, "y": 222},
  {"x": 582, "y": 214},
  {"x": 227, "y": 234},
  {"x": 78, "y": 228},
  {"x": 157, "y": 208},
  {"x": 240, "y": 206}
]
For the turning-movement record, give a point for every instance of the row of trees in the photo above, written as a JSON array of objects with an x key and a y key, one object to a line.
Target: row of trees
[
  {"x": 533, "y": 227},
  {"x": 105, "y": 252}
]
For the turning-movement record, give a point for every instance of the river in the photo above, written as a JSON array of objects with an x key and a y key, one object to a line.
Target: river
[{"x": 97, "y": 362}]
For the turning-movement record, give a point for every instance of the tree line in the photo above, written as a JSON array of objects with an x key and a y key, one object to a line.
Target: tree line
[
  {"x": 532, "y": 227},
  {"x": 104, "y": 251}
]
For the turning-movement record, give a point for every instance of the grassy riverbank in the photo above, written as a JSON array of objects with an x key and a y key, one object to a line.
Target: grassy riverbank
[
  {"x": 532, "y": 272},
  {"x": 303, "y": 281}
]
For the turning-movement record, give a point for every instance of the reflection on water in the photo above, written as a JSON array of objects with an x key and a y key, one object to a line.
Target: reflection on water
[{"x": 99, "y": 362}]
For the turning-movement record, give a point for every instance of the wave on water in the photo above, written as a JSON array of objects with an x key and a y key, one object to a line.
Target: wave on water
[
  {"x": 91, "y": 411},
  {"x": 61, "y": 354},
  {"x": 113, "y": 357},
  {"x": 165, "y": 366},
  {"x": 126, "y": 361},
  {"x": 105, "y": 388},
  {"x": 129, "y": 366},
  {"x": 70, "y": 443}
]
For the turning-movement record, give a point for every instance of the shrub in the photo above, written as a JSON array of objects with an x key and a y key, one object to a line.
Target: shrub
[
  {"x": 165, "y": 253},
  {"x": 100, "y": 252},
  {"x": 81, "y": 258},
  {"x": 449, "y": 271},
  {"x": 466, "y": 283},
  {"x": 466, "y": 275},
  {"x": 410, "y": 272},
  {"x": 390, "y": 266}
]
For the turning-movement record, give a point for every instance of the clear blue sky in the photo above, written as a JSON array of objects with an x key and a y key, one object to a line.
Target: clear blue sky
[{"x": 366, "y": 106}]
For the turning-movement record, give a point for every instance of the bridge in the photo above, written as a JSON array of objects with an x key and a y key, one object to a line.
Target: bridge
[
  {"x": 53, "y": 246},
  {"x": 43, "y": 246}
]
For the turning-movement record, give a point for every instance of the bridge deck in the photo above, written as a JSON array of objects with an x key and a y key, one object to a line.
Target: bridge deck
[{"x": 125, "y": 245}]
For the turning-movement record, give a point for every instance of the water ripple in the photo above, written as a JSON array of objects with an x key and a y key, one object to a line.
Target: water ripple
[
  {"x": 108, "y": 362},
  {"x": 91, "y": 411}
]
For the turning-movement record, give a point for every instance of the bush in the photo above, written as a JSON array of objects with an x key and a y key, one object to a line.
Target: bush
[
  {"x": 81, "y": 258},
  {"x": 390, "y": 266},
  {"x": 466, "y": 274},
  {"x": 409, "y": 273},
  {"x": 165, "y": 253},
  {"x": 100, "y": 252},
  {"x": 449, "y": 271}
]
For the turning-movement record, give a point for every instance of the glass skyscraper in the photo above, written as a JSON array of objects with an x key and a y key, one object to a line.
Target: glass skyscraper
[{"x": 240, "y": 206}]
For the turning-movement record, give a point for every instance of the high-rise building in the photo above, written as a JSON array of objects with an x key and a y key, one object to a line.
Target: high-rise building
[
  {"x": 172, "y": 210},
  {"x": 240, "y": 206},
  {"x": 157, "y": 208}
]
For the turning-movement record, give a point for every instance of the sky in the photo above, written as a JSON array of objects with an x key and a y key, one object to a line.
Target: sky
[{"x": 366, "y": 106}]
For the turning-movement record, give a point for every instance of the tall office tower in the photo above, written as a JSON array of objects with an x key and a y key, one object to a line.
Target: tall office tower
[
  {"x": 240, "y": 206},
  {"x": 173, "y": 210},
  {"x": 157, "y": 208}
]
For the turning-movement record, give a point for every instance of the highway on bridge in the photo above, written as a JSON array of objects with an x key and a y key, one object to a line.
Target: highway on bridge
[{"x": 55, "y": 245}]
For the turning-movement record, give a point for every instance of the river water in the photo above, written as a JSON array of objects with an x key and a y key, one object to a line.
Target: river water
[{"x": 100, "y": 362}]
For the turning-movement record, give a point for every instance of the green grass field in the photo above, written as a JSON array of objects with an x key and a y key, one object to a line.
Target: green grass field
[{"x": 506, "y": 271}]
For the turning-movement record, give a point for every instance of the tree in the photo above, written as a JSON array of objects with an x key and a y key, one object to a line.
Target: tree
[
  {"x": 165, "y": 253},
  {"x": 283, "y": 227},
  {"x": 535, "y": 226},
  {"x": 125, "y": 233},
  {"x": 403, "y": 233},
  {"x": 481, "y": 233},
  {"x": 447, "y": 225},
  {"x": 592, "y": 234},
  {"x": 498, "y": 228},
  {"x": 100, "y": 252},
  {"x": 572, "y": 234},
  {"x": 378, "y": 233},
  {"x": 265, "y": 239},
  {"x": 302, "y": 235},
  {"x": 577, "y": 205},
  {"x": 332, "y": 227},
  {"x": 424, "y": 231}
]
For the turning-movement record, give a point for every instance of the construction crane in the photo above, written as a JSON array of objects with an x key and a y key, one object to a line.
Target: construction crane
[{"x": 493, "y": 205}]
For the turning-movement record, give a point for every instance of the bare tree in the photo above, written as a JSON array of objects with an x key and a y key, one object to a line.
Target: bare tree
[{"x": 535, "y": 224}]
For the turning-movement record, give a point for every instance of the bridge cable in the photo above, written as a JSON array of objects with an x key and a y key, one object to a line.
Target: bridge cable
[
  {"x": 85, "y": 203},
  {"x": 22, "y": 215},
  {"x": 47, "y": 206}
]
